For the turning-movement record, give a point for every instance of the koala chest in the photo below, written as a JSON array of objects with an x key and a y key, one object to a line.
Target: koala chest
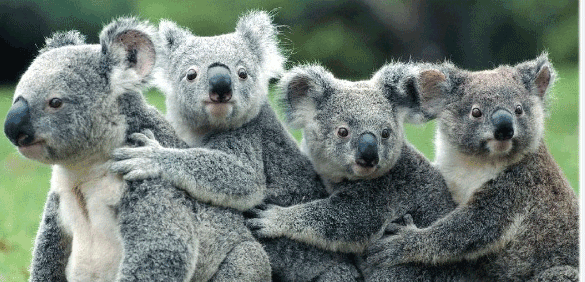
[
  {"x": 88, "y": 212},
  {"x": 465, "y": 177}
]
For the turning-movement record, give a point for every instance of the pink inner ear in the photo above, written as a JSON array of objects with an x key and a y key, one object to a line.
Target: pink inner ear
[
  {"x": 143, "y": 48},
  {"x": 542, "y": 81},
  {"x": 429, "y": 81}
]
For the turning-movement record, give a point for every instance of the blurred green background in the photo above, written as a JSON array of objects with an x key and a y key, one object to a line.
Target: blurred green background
[{"x": 351, "y": 38}]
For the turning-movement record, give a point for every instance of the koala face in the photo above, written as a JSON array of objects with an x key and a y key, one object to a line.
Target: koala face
[
  {"x": 351, "y": 130},
  {"x": 496, "y": 114},
  {"x": 65, "y": 107},
  {"x": 219, "y": 82},
  {"x": 55, "y": 120}
]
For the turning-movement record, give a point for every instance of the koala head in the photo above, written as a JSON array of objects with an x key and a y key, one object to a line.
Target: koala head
[
  {"x": 351, "y": 130},
  {"x": 64, "y": 108},
  {"x": 497, "y": 114},
  {"x": 219, "y": 82}
]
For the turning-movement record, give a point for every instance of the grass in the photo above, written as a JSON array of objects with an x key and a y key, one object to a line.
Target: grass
[{"x": 24, "y": 183}]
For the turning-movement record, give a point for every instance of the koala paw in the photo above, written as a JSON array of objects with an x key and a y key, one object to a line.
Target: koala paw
[
  {"x": 264, "y": 221},
  {"x": 136, "y": 163},
  {"x": 389, "y": 250}
]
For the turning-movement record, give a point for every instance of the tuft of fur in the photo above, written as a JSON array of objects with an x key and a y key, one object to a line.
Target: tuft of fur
[
  {"x": 63, "y": 38},
  {"x": 517, "y": 215}
]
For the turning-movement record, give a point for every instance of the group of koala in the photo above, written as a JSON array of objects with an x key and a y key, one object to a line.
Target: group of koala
[{"x": 220, "y": 191}]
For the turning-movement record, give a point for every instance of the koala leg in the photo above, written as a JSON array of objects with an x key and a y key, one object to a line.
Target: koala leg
[
  {"x": 558, "y": 274},
  {"x": 340, "y": 272},
  {"x": 456, "y": 272},
  {"x": 245, "y": 262}
]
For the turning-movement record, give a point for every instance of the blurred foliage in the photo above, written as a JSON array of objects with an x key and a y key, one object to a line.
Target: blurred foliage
[{"x": 352, "y": 38}]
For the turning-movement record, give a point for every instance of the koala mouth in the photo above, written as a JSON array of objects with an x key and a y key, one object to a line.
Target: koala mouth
[
  {"x": 499, "y": 147},
  {"x": 219, "y": 109},
  {"x": 33, "y": 150},
  {"x": 363, "y": 171}
]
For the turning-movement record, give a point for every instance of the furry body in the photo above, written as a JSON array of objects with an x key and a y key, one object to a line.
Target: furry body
[
  {"x": 517, "y": 218},
  {"x": 73, "y": 106}
]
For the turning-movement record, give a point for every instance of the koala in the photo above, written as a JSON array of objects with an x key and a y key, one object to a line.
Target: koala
[
  {"x": 353, "y": 134},
  {"x": 74, "y": 105},
  {"x": 517, "y": 216},
  {"x": 240, "y": 154}
]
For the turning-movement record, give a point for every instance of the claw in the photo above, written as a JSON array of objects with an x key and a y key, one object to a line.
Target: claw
[{"x": 408, "y": 220}]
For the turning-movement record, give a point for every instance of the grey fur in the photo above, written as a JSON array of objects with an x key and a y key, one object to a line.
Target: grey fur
[
  {"x": 517, "y": 218},
  {"x": 241, "y": 152},
  {"x": 164, "y": 234},
  {"x": 364, "y": 198}
]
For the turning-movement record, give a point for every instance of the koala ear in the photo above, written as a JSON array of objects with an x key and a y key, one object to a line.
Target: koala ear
[
  {"x": 303, "y": 89},
  {"x": 537, "y": 75},
  {"x": 261, "y": 35},
  {"x": 63, "y": 38},
  {"x": 418, "y": 90},
  {"x": 172, "y": 35},
  {"x": 129, "y": 44}
]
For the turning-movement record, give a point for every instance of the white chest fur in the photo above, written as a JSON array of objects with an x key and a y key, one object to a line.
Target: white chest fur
[
  {"x": 464, "y": 174},
  {"x": 89, "y": 200}
]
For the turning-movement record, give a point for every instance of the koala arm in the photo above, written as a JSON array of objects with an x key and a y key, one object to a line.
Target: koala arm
[
  {"x": 227, "y": 173},
  {"x": 52, "y": 246},
  {"x": 472, "y": 230},
  {"x": 158, "y": 233},
  {"x": 345, "y": 221}
]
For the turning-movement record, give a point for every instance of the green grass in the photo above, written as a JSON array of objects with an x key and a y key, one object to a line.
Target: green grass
[{"x": 24, "y": 183}]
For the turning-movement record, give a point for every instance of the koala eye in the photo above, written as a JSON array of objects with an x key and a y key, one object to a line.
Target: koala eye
[
  {"x": 342, "y": 132},
  {"x": 191, "y": 74},
  {"x": 55, "y": 103},
  {"x": 385, "y": 133},
  {"x": 476, "y": 112},
  {"x": 518, "y": 110},
  {"x": 242, "y": 73}
]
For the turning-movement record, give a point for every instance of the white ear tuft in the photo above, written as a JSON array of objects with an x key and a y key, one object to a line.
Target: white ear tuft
[
  {"x": 130, "y": 44},
  {"x": 261, "y": 34}
]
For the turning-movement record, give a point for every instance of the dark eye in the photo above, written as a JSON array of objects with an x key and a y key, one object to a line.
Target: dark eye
[
  {"x": 55, "y": 103},
  {"x": 191, "y": 74},
  {"x": 342, "y": 132},
  {"x": 385, "y": 133},
  {"x": 242, "y": 73},
  {"x": 518, "y": 110},
  {"x": 476, "y": 112}
]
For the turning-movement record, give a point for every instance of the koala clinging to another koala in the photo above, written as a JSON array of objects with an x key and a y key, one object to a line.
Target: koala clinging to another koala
[
  {"x": 73, "y": 106},
  {"x": 353, "y": 135},
  {"x": 216, "y": 96},
  {"x": 517, "y": 218}
]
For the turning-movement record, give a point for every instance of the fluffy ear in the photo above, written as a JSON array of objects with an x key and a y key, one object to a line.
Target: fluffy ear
[
  {"x": 419, "y": 90},
  {"x": 303, "y": 89},
  {"x": 129, "y": 44},
  {"x": 537, "y": 75},
  {"x": 261, "y": 34},
  {"x": 172, "y": 34},
  {"x": 63, "y": 38}
]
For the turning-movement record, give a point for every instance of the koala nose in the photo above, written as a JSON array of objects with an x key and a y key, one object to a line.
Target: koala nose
[
  {"x": 367, "y": 150},
  {"x": 220, "y": 83},
  {"x": 18, "y": 127},
  {"x": 504, "y": 124}
]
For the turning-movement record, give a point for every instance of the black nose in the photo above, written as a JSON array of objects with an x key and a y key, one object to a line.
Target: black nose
[
  {"x": 504, "y": 124},
  {"x": 367, "y": 150},
  {"x": 220, "y": 83},
  {"x": 18, "y": 127}
]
